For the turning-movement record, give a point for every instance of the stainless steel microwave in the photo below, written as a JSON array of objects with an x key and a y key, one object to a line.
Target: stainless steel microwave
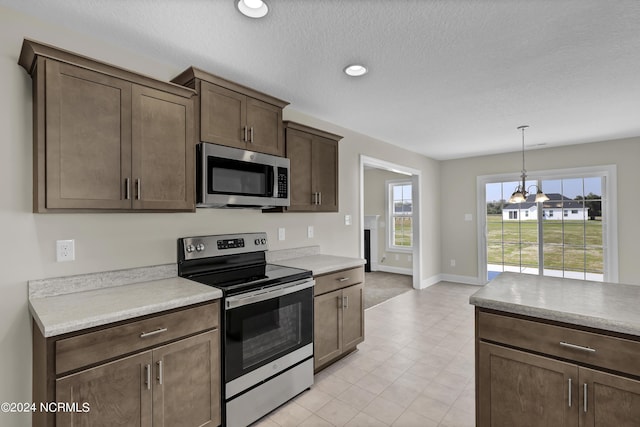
[{"x": 228, "y": 177}]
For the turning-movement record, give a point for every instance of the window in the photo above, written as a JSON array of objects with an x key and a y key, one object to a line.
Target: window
[
  {"x": 571, "y": 235},
  {"x": 400, "y": 215}
]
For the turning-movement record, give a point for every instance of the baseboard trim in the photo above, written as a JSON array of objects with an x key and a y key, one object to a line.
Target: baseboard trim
[
  {"x": 429, "y": 281},
  {"x": 396, "y": 270},
  {"x": 466, "y": 280}
]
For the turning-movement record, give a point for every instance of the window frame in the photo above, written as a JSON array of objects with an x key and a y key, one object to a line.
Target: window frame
[
  {"x": 609, "y": 205},
  {"x": 390, "y": 216}
]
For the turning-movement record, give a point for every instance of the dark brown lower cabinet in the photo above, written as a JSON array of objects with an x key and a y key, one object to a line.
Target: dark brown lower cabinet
[
  {"x": 173, "y": 383},
  {"x": 338, "y": 316},
  {"x": 516, "y": 387},
  {"x": 525, "y": 390}
]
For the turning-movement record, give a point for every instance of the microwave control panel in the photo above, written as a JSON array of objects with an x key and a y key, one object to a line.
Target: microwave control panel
[{"x": 283, "y": 183}]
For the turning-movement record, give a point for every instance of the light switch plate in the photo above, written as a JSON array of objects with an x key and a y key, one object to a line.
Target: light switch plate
[
  {"x": 281, "y": 234},
  {"x": 347, "y": 220},
  {"x": 310, "y": 232},
  {"x": 468, "y": 217}
]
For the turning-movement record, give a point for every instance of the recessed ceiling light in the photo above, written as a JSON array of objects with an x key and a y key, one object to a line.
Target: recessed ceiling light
[
  {"x": 252, "y": 8},
  {"x": 356, "y": 70}
]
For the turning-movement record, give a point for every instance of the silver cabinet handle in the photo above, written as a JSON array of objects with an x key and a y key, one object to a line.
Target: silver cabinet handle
[
  {"x": 577, "y": 347},
  {"x": 244, "y": 129},
  {"x": 345, "y": 302},
  {"x": 320, "y": 198},
  {"x": 157, "y": 331},
  {"x": 147, "y": 381},
  {"x": 251, "y": 135},
  {"x": 569, "y": 392},
  {"x": 585, "y": 397},
  {"x": 127, "y": 189},
  {"x": 342, "y": 279},
  {"x": 138, "y": 189},
  {"x": 159, "y": 372}
]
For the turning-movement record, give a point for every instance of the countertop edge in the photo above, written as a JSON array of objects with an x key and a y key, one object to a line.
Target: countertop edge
[
  {"x": 322, "y": 264},
  {"x": 116, "y": 316},
  {"x": 558, "y": 316}
]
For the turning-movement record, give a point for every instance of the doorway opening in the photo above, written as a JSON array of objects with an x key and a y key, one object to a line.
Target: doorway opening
[{"x": 390, "y": 232}]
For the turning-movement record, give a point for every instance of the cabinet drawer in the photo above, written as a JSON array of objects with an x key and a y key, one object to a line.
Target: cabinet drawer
[
  {"x": 606, "y": 351},
  {"x": 93, "y": 347},
  {"x": 338, "y": 280}
]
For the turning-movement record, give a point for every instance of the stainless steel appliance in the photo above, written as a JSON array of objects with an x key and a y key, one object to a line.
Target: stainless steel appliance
[
  {"x": 232, "y": 178},
  {"x": 267, "y": 321}
]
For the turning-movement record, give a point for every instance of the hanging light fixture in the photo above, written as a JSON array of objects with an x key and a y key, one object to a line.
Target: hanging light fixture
[{"x": 521, "y": 193}]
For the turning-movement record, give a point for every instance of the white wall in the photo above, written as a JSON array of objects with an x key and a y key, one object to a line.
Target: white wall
[
  {"x": 117, "y": 241},
  {"x": 458, "y": 177}
]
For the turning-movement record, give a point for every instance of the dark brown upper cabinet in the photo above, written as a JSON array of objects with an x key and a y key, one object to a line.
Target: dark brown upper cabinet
[
  {"x": 314, "y": 168},
  {"x": 234, "y": 115},
  {"x": 107, "y": 139}
]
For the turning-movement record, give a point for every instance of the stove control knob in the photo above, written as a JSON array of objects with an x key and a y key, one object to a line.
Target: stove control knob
[
  {"x": 200, "y": 247},
  {"x": 190, "y": 248},
  {"x": 263, "y": 241},
  {"x": 257, "y": 242}
]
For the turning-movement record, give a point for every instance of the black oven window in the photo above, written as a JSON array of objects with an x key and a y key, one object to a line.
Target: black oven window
[{"x": 270, "y": 333}]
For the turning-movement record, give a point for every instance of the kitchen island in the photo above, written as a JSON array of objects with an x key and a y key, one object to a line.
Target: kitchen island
[{"x": 557, "y": 352}]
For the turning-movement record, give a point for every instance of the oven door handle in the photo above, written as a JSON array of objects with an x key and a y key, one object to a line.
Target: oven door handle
[{"x": 268, "y": 293}]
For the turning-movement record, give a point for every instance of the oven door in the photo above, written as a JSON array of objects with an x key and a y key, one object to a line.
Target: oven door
[{"x": 266, "y": 325}]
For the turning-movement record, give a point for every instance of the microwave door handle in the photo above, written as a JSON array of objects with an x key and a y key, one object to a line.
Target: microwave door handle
[{"x": 273, "y": 182}]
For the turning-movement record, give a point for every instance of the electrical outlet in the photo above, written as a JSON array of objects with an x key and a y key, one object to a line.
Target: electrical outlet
[
  {"x": 468, "y": 217},
  {"x": 453, "y": 263},
  {"x": 310, "y": 232},
  {"x": 65, "y": 250},
  {"x": 281, "y": 234}
]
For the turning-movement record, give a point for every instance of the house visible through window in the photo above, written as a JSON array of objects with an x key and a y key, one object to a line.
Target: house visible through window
[{"x": 400, "y": 215}]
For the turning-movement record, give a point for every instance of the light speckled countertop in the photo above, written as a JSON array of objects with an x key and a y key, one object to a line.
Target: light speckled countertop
[
  {"x": 322, "y": 264},
  {"x": 607, "y": 306},
  {"x": 66, "y": 307}
]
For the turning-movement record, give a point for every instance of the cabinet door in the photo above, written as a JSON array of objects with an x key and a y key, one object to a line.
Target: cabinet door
[
  {"x": 222, "y": 116},
  {"x": 327, "y": 327},
  {"x": 163, "y": 151},
  {"x": 299, "y": 152},
  {"x": 611, "y": 400},
  {"x": 88, "y": 138},
  {"x": 352, "y": 316},
  {"x": 187, "y": 382},
  {"x": 265, "y": 127},
  {"x": 519, "y": 389},
  {"x": 325, "y": 173},
  {"x": 117, "y": 393}
]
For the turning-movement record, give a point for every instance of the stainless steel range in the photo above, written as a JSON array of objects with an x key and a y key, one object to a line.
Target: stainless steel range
[{"x": 267, "y": 322}]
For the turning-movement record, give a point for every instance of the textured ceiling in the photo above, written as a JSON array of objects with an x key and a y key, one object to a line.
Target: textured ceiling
[{"x": 448, "y": 78}]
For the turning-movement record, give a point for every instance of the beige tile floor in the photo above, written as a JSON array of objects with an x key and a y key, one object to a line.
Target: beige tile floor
[{"x": 415, "y": 368}]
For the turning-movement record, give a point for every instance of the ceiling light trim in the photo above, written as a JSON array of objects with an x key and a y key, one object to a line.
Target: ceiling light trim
[
  {"x": 254, "y": 9},
  {"x": 355, "y": 70}
]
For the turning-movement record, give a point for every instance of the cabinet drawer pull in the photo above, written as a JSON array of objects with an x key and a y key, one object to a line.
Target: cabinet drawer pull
[
  {"x": 147, "y": 369},
  {"x": 159, "y": 372},
  {"x": 577, "y": 347},
  {"x": 569, "y": 392},
  {"x": 157, "y": 331},
  {"x": 343, "y": 279}
]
